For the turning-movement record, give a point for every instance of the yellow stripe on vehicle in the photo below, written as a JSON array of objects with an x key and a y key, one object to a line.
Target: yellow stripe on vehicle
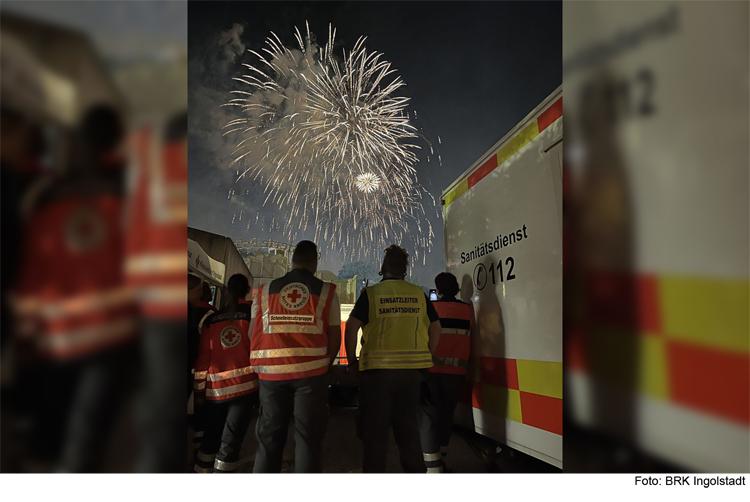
[
  {"x": 653, "y": 379},
  {"x": 502, "y": 402},
  {"x": 456, "y": 192},
  {"x": 519, "y": 141},
  {"x": 712, "y": 312},
  {"x": 540, "y": 377}
]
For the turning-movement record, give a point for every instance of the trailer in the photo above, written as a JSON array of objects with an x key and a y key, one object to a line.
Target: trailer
[
  {"x": 503, "y": 242},
  {"x": 214, "y": 258}
]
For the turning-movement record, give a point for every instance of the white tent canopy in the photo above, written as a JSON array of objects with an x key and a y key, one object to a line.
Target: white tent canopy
[
  {"x": 202, "y": 265},
  {"x": 215, "y": 259}
]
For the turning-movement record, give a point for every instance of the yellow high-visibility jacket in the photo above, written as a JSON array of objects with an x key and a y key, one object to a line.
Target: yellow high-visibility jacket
[{"x": 396, "y": 335}]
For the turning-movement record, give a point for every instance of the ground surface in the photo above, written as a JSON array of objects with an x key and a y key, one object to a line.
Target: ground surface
[{"x": 342, "y": 451}]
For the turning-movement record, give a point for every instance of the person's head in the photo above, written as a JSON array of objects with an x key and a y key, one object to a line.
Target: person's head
[
  {"x": 446, "y": 285},
  {"x": 206, "y": 294},
  {"x": 238, "y": 287},
  {"x": 305, "y": 256},
  {"x": 102, "y": 132},
  {"x": 395, "y": 262},
  {"x": 176, "y": 134},
  {"x": 194, "y": 288}
]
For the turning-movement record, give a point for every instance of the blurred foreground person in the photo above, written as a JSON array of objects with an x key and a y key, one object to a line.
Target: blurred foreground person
[
  {"x": 72, "y": 305},
  {"x": 296, "y": 335},
  {"x": 19, "y": 168},
  {"x": 447, "y": 376},
  {"x": 224, "y": 380},
  {"x": 155, "y": 268},
  {"x": 400, "y": 331},
  {"x": 198, "y": 310}
]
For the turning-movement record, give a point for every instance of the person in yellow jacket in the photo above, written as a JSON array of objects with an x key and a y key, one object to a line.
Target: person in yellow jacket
[{"x": 400, "y": 331}]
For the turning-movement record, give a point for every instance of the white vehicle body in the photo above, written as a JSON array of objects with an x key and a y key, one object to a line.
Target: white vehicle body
[
  {"x": 680, "y": 143},
  {"x": 503, "y": 242}
]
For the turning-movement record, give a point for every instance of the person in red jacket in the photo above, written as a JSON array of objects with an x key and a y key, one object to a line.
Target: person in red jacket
[
  {"x": 198, "y": 311},
  {"x": 225, "y": 381},
  {"x": 71, "y": 299},
  {"x": 296, "y": 335},
  {"x": 445, "y": 379},
  {"x": 155, "y": 271}
]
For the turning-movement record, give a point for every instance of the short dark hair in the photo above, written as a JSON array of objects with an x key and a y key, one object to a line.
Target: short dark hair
[
  {"x": 446, "y": 284},
  {"x": 176, "y": 129},
  {"x": 396, "y": 260},
  {"x": 102, "y": 128},
  {"x": 193, "y": 281},
  {"x": 305, "y": 253},
  {"x": 238, "y": 286}
]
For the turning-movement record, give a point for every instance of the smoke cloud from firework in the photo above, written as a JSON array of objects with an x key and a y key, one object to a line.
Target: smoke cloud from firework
[{"x": 329, "y": 138}]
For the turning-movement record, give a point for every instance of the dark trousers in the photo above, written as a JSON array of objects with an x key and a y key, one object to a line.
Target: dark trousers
[
  {"x": 226, "y": 426},
  {"x": 305, "y": 399},
  {"x": 200, "y": 417},
  {"x": 390, "y": 398},
  {"x": 189, "y": 385},
  {"x": 97, "y": 395},
  {"x": 162, "y": 417},
  {"x": 438, "y": 400}
]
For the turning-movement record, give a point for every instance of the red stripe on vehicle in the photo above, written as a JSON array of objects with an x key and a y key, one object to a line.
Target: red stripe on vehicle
[
  {"x": 542, "y": 412},
  {"x": 549, "y": 115},
  {"x": 714, "y": 381},
  {"x": 483, "y": 171},
  {"x": 499, "y": 372}
]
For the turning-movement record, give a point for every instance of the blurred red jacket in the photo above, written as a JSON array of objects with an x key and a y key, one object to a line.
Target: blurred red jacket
[
  {"x": 71, "y": 295},
  {"x": 156, "y": 261}
]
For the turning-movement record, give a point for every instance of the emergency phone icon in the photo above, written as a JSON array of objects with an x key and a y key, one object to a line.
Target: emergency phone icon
[{"x": 480, "y": 276}]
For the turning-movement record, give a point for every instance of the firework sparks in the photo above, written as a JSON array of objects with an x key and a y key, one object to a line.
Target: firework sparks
[
  {"x": 319, "y": 132},
  {"x": 367, "y": 182}
]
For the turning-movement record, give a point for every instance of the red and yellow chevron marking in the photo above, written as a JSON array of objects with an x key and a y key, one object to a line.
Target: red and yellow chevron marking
[
  {"x": 679, "y": 339},
  {"x": 529, "y": 392},
  {"x": 542, "y": 122}
]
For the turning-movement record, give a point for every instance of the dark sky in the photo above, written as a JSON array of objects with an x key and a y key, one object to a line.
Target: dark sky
[{"x": 472, "y": 69}]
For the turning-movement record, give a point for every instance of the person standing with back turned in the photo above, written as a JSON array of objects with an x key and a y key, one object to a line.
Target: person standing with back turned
[
  {"x": 224, "y": 381},
  {"x": 400, "y": 333},
  {"x": 447, "y": 376},
  {"x": 296, "y": 335}
]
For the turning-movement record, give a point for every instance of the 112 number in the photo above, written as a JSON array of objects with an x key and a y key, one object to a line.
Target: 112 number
[{"x": 509, "y": 263}]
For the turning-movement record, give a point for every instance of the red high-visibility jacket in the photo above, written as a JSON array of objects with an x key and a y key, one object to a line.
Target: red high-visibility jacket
[
  {"x": 290, "y": 331},
  {"x": 454, "y": 346},
  {"x": 71, "y": 294},
  {"x": 222, "y": 370},
  {"x": 157, "y": 228}
]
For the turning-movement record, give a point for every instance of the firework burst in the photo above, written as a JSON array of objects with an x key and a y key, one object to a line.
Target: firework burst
[
  {"x": 331, "y": 142},
  {"x": 367, "y": 182}
]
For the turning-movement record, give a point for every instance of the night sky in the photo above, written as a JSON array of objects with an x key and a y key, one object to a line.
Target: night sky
[{"x": 473, "y": 71}]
